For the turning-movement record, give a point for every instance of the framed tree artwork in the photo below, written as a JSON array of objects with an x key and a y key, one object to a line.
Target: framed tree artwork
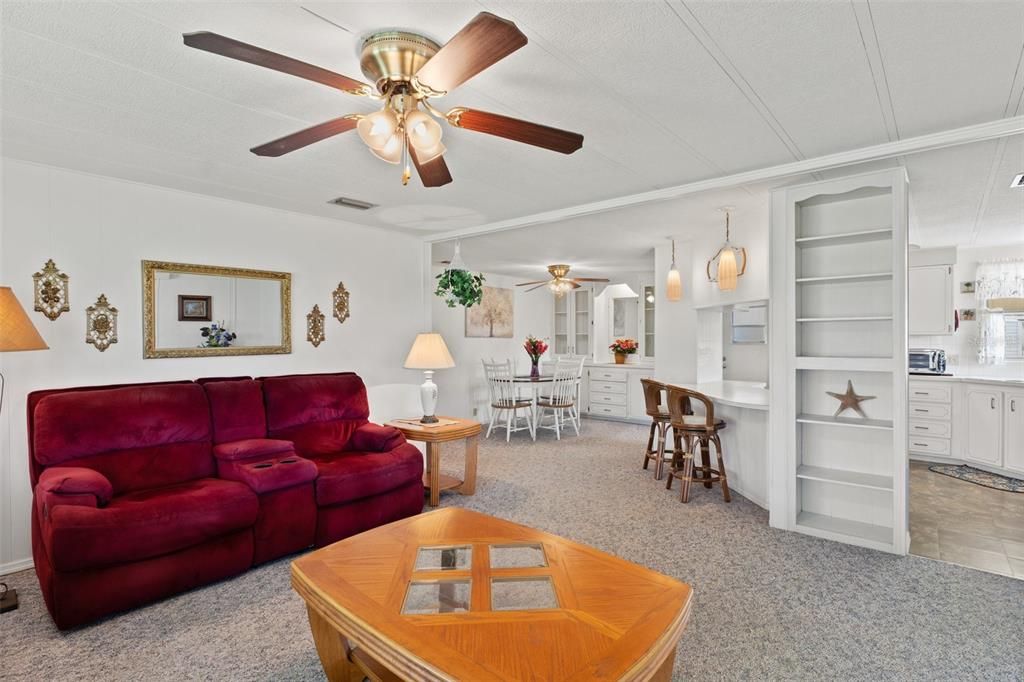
[{"x": 493, "y": 317}]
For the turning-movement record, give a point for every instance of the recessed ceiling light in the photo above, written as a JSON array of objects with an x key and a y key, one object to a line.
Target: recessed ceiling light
[
  {"x": 1018, "y": 181},
  {"x": 352, "y": 203}
]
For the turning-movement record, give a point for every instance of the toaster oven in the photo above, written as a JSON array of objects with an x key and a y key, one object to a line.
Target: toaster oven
[{"x": 927, "y": 361}]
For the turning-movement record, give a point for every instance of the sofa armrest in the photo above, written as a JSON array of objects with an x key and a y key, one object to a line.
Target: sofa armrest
[
  {"x": 375, "y": 438},
  {"x": 252, "y": 447},
  {"x": 73, "y": 486},
  {"x": 264, "y": 475}
]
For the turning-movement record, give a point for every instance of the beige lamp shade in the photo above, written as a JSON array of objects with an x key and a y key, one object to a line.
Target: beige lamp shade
[
  {"x": 727, "y": 272},
  {"x": 16, "y": 331},
  {"x": 429, "y": 352}
]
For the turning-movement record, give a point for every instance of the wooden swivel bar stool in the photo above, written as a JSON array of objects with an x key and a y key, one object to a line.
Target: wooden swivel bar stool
[
  {"x": 657, "y": 410},
  {"x": 704, "y": 430}
]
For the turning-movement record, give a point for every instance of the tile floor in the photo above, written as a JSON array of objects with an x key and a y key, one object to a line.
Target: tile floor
[{"x": 964, "y": 523}]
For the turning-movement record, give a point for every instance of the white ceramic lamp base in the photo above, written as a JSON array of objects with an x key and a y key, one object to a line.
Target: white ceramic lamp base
[{"x": 428, "y": 396}]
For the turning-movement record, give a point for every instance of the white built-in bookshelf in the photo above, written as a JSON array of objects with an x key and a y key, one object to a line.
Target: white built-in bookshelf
[{"x": 838, "y": 296}]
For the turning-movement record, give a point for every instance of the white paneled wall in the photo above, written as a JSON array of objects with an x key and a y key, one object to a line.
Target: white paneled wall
[{"x": 98, "y": 230}]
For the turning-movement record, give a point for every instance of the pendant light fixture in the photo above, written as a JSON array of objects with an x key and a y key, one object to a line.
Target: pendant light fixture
[
  {"x": 674, "y": 283},
  {"x": 729, "y": 263}
]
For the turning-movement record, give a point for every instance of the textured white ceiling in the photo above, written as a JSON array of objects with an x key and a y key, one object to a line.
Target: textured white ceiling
[{"x": 665, "y": 93}]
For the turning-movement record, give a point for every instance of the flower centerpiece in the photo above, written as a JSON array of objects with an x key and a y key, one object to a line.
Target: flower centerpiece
[
  {"x": 216, "y": 336},
  {"x": 535, "y": 348},
  {"x": 623, "y": 347}
]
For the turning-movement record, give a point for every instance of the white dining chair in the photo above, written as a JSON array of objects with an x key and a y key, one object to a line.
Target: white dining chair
[
  {"x": 561, "y": 400},
  {"x": 504, "y": 398},
  {"x": 579, "y": 361}
]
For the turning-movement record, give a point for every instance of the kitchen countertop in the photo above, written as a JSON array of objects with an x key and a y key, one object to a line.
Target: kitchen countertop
[
  {"x": 752, "y": 395},
  {"x": 997, "y": 381}
]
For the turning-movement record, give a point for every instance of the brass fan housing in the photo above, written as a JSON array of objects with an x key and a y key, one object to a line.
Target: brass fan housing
[
  {"x": 390, "y": 56},
  {"x": 558, "y": 271}
]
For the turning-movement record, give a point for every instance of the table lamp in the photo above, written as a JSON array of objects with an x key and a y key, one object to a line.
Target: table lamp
[
  {"x": 16, "y": 333},
  {"x": 428, "y": 353}
]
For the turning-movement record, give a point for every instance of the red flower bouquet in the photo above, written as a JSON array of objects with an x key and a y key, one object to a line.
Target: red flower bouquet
[{"x": 535, "y": 348}]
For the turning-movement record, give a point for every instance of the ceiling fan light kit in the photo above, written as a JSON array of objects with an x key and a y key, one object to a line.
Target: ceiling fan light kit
[
  {"x": 407, "y": 69},
  {"x": 729, "y": 263},
  {"x": 674, "y": 282},
  {"x": 560, "y": 284}
]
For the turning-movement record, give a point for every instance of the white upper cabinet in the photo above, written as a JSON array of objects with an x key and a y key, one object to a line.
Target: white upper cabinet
[
  {"x": 573, "y": 323},
  {"x": 931, "y": 300},
  {"x": 984, "y": 425}
]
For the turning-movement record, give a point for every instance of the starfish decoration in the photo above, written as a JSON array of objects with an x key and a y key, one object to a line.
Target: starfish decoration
[{"x": 850, "y": 400}]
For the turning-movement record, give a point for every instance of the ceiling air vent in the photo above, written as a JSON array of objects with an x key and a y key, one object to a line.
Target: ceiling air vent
[
  {"x": 352, "y": 203},
  {"x": 1018, "y": 182}
]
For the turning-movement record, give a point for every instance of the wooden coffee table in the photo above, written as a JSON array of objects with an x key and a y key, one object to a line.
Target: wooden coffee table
[
  {"x": 433, "y": 436},
  {"x": 453, "y": 594}
]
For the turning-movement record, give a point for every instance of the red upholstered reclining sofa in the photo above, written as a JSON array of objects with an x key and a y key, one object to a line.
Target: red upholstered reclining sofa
[{"x": 145, "y": 490}]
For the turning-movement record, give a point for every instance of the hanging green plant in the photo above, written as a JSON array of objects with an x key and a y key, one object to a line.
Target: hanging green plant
[
  {"x": 460, "y": 287},
  {"x": 457, "y": 285}
]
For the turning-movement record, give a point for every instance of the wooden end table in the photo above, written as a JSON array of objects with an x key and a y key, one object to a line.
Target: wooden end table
[
  {"x": 433, "y": 436},
  {"x": 452, "y": 594}
]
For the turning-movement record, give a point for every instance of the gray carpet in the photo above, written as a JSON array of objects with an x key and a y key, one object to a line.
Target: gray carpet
[{"x": 768, "y": 604}]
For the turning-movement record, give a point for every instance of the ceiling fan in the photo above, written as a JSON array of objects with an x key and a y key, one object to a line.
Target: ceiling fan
[
  {"x": 559, "y": 283},
  {"x": 407, "y": 70}
]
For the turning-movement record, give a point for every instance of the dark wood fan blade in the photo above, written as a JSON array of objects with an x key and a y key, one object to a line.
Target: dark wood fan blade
[
  {"x": 235, "y": 49},
  {"x": 542, "y": 284},
  {"x": 290, "y": 143},
  {"x": 590, "y": 279},
  {"x": 482, "y": 42},
  {"x": 433, "y": 173},
  {"x": 526, "y": 284},
  {"x": 514, "y": 129}
]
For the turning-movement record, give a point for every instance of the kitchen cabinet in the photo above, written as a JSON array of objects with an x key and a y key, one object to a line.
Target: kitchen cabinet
[
  {"x": 1013, "y": 430},
  {"x": 930, "y": 293},
  {"x": 573, "y": 322},
  {"x": 984, "y": 411}
]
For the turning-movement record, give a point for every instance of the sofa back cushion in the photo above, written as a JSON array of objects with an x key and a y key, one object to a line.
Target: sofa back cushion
[
  {"x": 237, "y": 409},
  {"x": 318, "y": 412},
  {"x": 139, "y": 437}
]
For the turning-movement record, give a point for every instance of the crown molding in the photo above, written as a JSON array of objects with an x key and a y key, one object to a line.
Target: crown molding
[{"x": 980, "y": 132}]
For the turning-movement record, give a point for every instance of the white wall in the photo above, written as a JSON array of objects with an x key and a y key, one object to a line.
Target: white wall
[
  {"x": 962, "y": 348},
  {"x": 462, "y": 388},
  {"x": 98, "y": 230},
  {"x": 675, "y": 322}
]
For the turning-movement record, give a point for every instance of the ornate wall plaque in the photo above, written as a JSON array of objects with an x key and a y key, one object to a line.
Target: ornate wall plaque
[
  {"x": 51, "y": 291},
  {"x": 101, "y": 324},
  {"x": 341, "y": 302},
  {"x": 315, "y": 326}
]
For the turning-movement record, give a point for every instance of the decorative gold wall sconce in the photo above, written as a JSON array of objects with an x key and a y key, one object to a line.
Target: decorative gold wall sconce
[
  {"x": 51, "y": 291},
  {"x": 315, "y": 327},
  {"x": 101, "y": 324},
  {"x": 341, "y": 295}
]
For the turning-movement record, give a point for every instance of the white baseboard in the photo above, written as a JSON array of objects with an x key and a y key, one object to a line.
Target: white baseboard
[{"x": 15, "y": 566}]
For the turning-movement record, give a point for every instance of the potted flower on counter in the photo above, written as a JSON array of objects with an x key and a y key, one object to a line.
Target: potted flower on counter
[
  {"x": 622, "y": 348},
  {"x": 535, "y": 348}
]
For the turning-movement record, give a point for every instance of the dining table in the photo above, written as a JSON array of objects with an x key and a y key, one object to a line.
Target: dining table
[{"x": 535, "y": 383}]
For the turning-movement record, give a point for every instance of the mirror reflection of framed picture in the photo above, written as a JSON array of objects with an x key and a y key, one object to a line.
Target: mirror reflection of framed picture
[{"x": 195, "y": 308}]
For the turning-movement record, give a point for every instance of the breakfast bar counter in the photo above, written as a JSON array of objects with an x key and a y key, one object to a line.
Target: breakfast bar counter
[{"x": 744, "y": 406}]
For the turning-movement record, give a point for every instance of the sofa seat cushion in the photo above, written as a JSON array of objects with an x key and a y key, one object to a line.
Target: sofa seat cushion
[
  {"x": 251, "y": 447},
  {"x": 146, "y": 523},
  {"x": 265, "y": 474},
  {"x": 348, "y": 476}
]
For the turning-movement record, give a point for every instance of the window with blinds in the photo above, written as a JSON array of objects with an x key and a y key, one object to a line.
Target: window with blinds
[{"x": 1013, "y": 325}]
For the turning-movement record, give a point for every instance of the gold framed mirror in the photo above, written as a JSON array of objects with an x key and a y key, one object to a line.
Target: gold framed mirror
[{"x": 194, "y": 311}]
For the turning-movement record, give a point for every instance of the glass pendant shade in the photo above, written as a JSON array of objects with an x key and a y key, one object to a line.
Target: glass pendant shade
[
  {"x": 425, "y": 155},
  {"x": 391, "y": 151},
  {"x": 727, "y": 271},
  {"x": 424, "y": 132},
  {"x": 674, "y": 285},
  {"x": 377, "y": 129}
]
